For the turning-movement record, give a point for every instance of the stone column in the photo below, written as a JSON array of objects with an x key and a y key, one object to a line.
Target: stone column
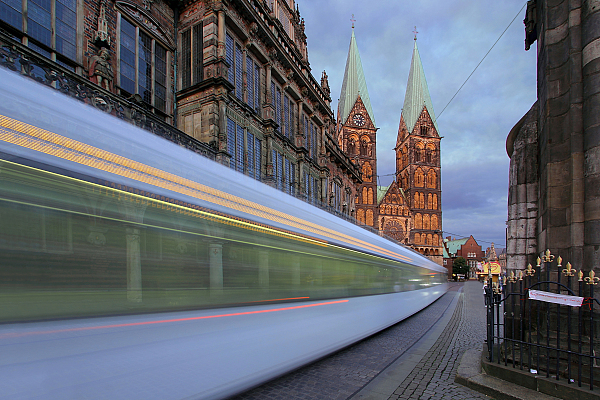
[
  {"x": 133, "y": 212},
  {"x": 134, "y": 265},
  {"x": 216, "y": 265},
  {"x": 296, "y": 270},
  {"x": 588, "y": 181},
  {"x": 221, "y": 34},
  {"x": 263, "y": 269}
]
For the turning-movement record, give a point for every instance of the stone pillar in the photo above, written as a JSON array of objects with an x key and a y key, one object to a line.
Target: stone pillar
[
  {"x": 216, "y": 265},
  {"x": 263, "y": 269},
  {"x": 221, "y": 34},
  {"x": 589, "y": 180},
  {"x": 133, "y": 212},
  {"x": 296, "y": 270},
  {"x": 134, "y": 265}
]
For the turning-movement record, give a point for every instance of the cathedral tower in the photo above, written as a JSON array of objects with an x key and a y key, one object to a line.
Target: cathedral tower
[
  {"x": 356, "y": 134},
  {"x": 418, "y": 167}
]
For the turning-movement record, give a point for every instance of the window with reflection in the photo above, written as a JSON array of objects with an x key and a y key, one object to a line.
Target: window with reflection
[
  {"x": 149, "y": 79},
  {"x": 50, "y": 25}
]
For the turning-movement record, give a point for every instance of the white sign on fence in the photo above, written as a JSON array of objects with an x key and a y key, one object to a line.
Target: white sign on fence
[{"x": 573, "y": 301}]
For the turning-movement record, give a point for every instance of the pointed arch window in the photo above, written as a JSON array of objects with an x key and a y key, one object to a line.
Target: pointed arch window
[
  {"x": 365, "y": 196},
  {"x": 370, "y": 194},
  {"x": 429, "y": 201},
  {"x": 416, "y": 201},
  {"x": 421, "y": 201},
  {"x": 419, "y": 152},
  {"x": 435, "y": 201}
]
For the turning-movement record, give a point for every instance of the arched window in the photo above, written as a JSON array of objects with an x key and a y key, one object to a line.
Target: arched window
[
  {"x": 370, "y": 195},
  {"x": 360, "y": 215},
  {"x": 422, "y": 200},
  {"x": 419, "y": 152},
  {"x": 426, "y": 222},
  {"x": 435, "y": 202},
  {"x": 417, "y": 238},
  {"x": 364, "y": 146},
  {"x": 364, "y": 196},
  {"x": 434, "y": 222},
  {"x": 429, "y": 153},
  {"x": 436, "y": 240},
  {"x": 431, "y": 179},
  {"x": 419, "y": 178},
  {"x": 429, "y": 240},
  {"x": 429, "y": 201},
  {"x": 369, "y": 218},
  {"x": 416, "y": 202},
  {"x": 418, "y": 221},
  {"x": 352, "y": 146},
  {"x": 367, "y": 172}
]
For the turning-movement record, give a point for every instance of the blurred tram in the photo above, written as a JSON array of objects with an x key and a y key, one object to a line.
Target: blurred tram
[{"x": 100, "y": 218}]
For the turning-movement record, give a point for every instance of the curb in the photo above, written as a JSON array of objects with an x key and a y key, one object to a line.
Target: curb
[{"x": 471, "y": 375}]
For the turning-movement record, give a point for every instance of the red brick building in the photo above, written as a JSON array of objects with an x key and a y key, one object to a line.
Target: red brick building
[{"x": 467, "y": 248}]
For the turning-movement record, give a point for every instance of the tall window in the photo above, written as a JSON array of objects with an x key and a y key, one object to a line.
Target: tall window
[
  {"x": 191, "y": 56},
  {"x": 244, "y": 148},
  {"x": 47, "y": 33},
  {"x": 149, "y": 81},
  {"x": 234, "y": 57}
]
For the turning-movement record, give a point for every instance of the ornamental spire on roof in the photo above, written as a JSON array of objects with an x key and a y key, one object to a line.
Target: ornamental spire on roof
[
  {"x": 417, "y": 93},
  {"x": 354, "y": 84}
]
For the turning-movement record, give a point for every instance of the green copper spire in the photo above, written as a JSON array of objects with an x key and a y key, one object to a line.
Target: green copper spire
[
  {"x": 417, "y": 93},
  {"x": 354, "y": 84}
]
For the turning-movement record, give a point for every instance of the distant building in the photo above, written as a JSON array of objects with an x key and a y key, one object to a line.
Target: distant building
[{"x": 467, "y": 248}]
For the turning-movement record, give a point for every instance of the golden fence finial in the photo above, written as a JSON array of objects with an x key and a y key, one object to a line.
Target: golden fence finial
[
  {"x": 580, "y": 276},
  {"x": 547, "y": 256},
  {"x": 569, "y": 271},
  {"x": 592, "y": 279},
  {"x": 520, "y": 275},
  {"x": 512, "y": 278},
  {"x": 530, "y": 271},
  {"x": 538, "y": 262},
  {"x": 559, "y": 261}
]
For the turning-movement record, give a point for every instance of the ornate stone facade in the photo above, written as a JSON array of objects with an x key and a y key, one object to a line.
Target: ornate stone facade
[{"x": 228, "y": 78}]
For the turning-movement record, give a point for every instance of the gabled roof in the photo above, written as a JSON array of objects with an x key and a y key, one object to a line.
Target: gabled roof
[
  {"x": 454, "y": 245},
  {"x": 417, "y": 94},
  {"x": 354, "y": 84},
  {"x": 381, "y": 191}
]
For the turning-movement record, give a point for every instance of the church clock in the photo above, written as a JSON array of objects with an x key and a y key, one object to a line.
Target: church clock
[{"x": 358, "y": 119}]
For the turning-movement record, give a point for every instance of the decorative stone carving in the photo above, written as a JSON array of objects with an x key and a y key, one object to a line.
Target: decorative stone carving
[{"x": 101, "y": 37}]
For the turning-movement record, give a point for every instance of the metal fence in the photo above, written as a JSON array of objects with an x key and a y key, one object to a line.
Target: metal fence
[{"x": 543, "y": 320}]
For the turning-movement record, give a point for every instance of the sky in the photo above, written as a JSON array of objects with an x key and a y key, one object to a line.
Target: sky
[{"x": 453, "y": 37}]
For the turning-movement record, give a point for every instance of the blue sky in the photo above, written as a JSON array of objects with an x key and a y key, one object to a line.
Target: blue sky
[{"x": 454, "y": 35}]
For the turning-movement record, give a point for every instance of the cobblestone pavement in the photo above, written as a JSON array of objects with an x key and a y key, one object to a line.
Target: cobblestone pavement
[
  {"x": 346, "y": 372},
  {"x": 433, "y": 377}
]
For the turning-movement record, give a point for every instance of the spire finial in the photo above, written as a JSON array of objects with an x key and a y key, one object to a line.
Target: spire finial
[
  {"x": 353, "y": 21},
  {"x": 415, "y": 32}
]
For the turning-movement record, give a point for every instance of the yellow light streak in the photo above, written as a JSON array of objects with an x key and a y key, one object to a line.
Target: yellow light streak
[{"x": 34, "y": 138}]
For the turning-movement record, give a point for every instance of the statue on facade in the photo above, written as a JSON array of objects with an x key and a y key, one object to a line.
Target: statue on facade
[{"x": 100, "y": 70}]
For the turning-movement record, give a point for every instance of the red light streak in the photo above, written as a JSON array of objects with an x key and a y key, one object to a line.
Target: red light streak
[{"x": 164, "y": 321}]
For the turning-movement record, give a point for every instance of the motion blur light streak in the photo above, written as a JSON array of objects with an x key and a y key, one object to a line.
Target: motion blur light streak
[
  {"x": 165, "y": 321},
  {"x": 63, "y": 147}
]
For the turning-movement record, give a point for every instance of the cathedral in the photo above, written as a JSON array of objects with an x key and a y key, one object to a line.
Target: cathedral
[{"x": 409, "y": 209}]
